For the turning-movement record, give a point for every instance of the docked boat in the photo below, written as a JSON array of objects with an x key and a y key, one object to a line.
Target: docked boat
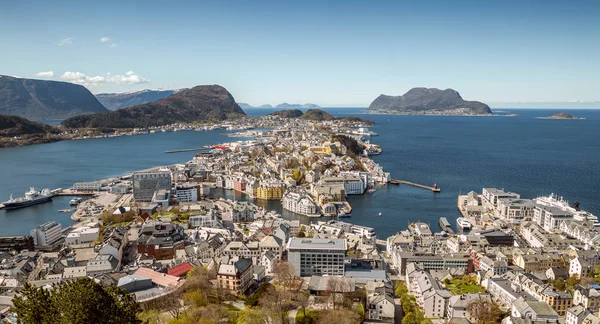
[
  {"x": 371, "y": 190},
  {"x": 463, "y": 223},
  {"x": 32, "y": 197},
  {"x": 342, "y": 215},
  {"x": 75, "y": 201},
  {"x": 445, "y": 225}
]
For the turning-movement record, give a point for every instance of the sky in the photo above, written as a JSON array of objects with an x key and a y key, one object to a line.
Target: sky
[{"x": 332, "y": 53}]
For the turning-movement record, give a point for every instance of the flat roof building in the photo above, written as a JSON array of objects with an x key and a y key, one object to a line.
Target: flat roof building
[{"x": 310, "y": 256}]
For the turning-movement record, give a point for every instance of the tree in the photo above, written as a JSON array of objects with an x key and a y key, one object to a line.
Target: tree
[
  {"x": 34, "y": 305},
  {"x": 273, "y": 306},
  {"x": 339, "y": 316},
  {"x": 78, "y": 301},
  {"x": 285, "y": 275},
  {"x": 484, "y": 311}
]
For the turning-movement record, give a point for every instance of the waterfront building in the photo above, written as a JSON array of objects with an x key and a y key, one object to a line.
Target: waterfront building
[
  {"x": 119, "y": 189},
  {"x": 514, "y": 210},
  {"x": 186, "y": 192},
  {"x": 146, "y": 183},
  {"x": 236, "y": 277},
  {"x": 87, "y": 186},
  {"x": 270, "y": 191},
  {"x": 551, "y": 211},
  {"x": 47, "y": 234},
  {"x": 353, "y": 184},
  {"x": 491, "y": 195},
  {"x": 299, "y": 202},
  {"x": 315, "y": 256}
]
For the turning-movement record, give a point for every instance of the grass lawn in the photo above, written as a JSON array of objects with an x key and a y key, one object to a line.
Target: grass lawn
[
  {"x": 311, "y": 316},
  {"x": 457, "y": 286}
]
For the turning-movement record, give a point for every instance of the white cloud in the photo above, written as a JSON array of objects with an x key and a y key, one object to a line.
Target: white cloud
[
  {"x": 92, "y": 81},
  {"x": 129, "y": 78},
  {"x": 65, "y": 41},
  {"x": 113, "y": 45},
  {"x": 105, "y": 39},
  {"x": 47, "y": 74}
]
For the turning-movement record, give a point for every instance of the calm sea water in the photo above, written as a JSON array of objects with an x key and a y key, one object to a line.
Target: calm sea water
[{"x": 522, "y": 154}]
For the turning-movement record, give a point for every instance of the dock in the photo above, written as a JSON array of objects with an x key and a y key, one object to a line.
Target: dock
[
  {"x": 189, "y": 150},
  {"x": 70, "y": 192},
  {"x": 435, "y": 188}
]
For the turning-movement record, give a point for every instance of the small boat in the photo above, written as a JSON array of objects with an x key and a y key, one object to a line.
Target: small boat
[
  {"x": 379, "y": 214},
  {"x": 445, "y": 225},
  {"x": 371, "y": 190},
  {"x": 343, "y": 215},
  {"x": 65, "y": 210},
  {"x": 75, "y": 201},
  {"x": 463, "y": 223}
]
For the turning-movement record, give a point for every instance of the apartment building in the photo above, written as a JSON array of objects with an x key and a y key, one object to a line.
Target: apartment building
[
  {"x": 47, "y": 233},
  {"x": 145, "y": 183}
]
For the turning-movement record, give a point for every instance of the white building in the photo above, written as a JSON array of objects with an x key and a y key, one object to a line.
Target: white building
[
  {"x": 491, "y": 195},
  {"x": 317, "y": 256},
  {"x": 299, "y": 203},
  {"x": 550, "y": 212},
  {"x": 515, "y": 210},
  {"x": 207, "y": 220},
  {"x": 186, "y": 192},
  {"x": 353, "y": 184},
  {"x": 87, "y": 186},
  {"x": 82, "y": 235},
  {"x": 47, "y": 233}
]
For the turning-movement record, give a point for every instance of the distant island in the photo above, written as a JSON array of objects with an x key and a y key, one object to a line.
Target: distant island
[
  {"x": 201, "y": 103},
  {"x": 561, "y": 115},
  {"x": 284, "y": 105},
  {"x": 318, "y": 115},
  {"x": 16, "y": 131},
  {"x": 45, "y": 100},
  {"x": 114, "y": 101},
  {"x": 428, "y": 101}
]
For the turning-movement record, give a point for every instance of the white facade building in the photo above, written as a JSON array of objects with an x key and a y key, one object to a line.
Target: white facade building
[
  {"x": 186, "y": 193},
  {"x": 47, "y": 233},
  {"x": 311, "y": 257},
  {"x": 87, "y": 186},
  {"x": 146, "y": 183}
]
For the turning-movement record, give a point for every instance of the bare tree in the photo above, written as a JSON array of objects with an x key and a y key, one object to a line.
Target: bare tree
[
  {"x": 484, "y": 312},
  {"x": 339, "y": 316},
  {"x": 285, "y": 275}
]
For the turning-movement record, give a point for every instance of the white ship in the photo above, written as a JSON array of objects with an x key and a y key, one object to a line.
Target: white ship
[
  {"x": 463, "y": 223},
  {"x": 32, "y": 197}
]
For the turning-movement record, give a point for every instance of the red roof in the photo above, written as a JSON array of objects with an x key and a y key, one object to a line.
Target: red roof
[{"x": 180, "y": 270}]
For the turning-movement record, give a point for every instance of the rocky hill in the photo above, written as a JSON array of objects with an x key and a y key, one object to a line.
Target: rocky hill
[
  {"x": 317, "y": 115},
  {"x": 288, "y": 113},
  {"x": 15, "y": 130},
  {"x": 42, "y": 99},
  {"x": 201, "y": 103},
  {"x": 561, "y": 115},
  {"x": 422, "y": 101},
  {"x": 114, "y": 101}
]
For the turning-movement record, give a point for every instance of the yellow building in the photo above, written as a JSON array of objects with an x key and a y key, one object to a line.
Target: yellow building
[
  {"x": 560, "y": 301},
  {"x": 269, "y": 192}
]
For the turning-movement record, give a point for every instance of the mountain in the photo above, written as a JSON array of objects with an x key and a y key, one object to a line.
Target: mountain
[
  {"x": 428, "y": 101},
  {"x": 265, "y": 106},
  {"x": 42, "y": 99},
  {"x": 15, "y": 130},
  {"x": 201, "y": 103},
  {"x": 287, "y": 113},
  {"x": 114, "y": 101},
  {"x": 286, "y": 105},
  {"x": 317, "y": 115}
]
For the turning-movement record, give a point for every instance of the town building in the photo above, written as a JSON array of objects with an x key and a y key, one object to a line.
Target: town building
[
  {"x": 146, "y": 183},
  {"x": 236, "y": 277},
  {"x": 312, "y": 256},
  {"x": 46, "y": 234},
  {"x": 186, "y": 192},
  {"x": 160, "y": 240},
  {"x": 87, "y": 186}
]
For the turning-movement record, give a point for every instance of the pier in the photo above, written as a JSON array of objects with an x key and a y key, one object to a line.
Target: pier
[
  {"x": 189, "y": 150},
  {"x": 71, "y": 192},
  {"x": 399, "y": 182}
]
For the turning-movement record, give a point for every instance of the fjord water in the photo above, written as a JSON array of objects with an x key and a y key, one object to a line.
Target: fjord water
[{"x": 523, "y": 154}]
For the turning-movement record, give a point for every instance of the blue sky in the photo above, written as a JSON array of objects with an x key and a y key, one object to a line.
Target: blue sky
[{"x": 325, "y": 52}]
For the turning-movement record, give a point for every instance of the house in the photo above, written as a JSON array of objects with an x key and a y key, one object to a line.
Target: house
[
  {"x": 533, "y": 310},
  {"x": 554, "y": 273},
  {"x": 580, "y": 267},
  {"x": 268, "y": 260},
  {"x": 576, "y": 314},
  {"x": 380, "y": 307},
  {"x": 587, "y": 296},
  {"x": 236, "y": 277},
  {"x": 160, "y": 240},
  {"x": 458, "y": 305}
]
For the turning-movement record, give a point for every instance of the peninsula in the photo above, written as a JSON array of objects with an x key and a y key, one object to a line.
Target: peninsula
[{"x": 428, "y": 101}]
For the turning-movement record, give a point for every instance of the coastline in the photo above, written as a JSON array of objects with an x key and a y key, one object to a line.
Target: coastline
[{"x": 406, "y": 113}]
